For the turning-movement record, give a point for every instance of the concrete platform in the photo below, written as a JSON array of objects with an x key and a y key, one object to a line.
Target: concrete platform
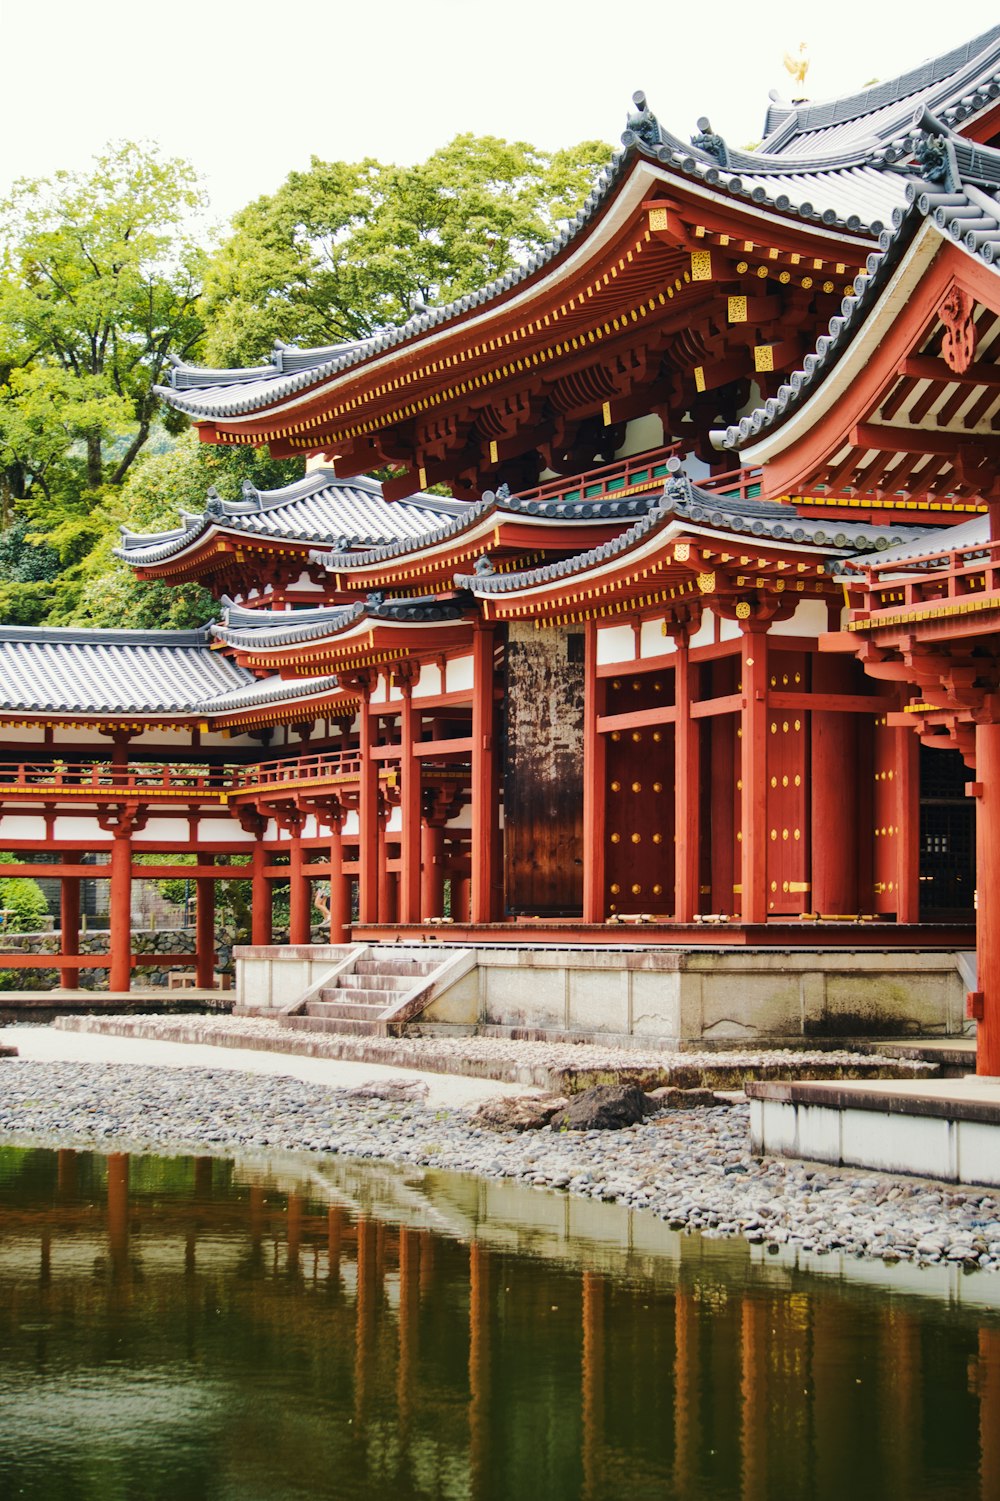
[
  {"x": 948, "y": 1130},
  {"x": 46, "y": 1005}
]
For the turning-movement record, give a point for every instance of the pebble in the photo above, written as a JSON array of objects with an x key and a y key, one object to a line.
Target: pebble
[{"x": 691, "y": 1167}]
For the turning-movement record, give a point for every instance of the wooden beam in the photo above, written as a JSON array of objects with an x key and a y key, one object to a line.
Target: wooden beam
[
  {"x": 917, "y": 441},
  {"x": 926, "y": 367}
]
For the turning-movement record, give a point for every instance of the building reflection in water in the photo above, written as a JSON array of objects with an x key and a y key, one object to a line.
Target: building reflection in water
[{"x": 338, "y": 1338}]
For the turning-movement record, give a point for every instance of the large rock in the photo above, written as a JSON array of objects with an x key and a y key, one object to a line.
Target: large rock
[
  {"x": 606, "y": 1107},
  {"x": 518, "y": 1112},
  {"x": 669, "y": 1098}
]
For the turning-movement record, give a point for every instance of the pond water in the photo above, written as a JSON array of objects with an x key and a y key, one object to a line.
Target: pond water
[{"x": 189, "y": 1328}]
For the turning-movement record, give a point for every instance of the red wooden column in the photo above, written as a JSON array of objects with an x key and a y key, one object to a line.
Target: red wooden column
[
  {"x": 431, "y": 871},
  {"x": 340, "y": 895},
  {"x": 260, "y": 895},
  {"x": 367, "y": 816},
  {"x": 987, "y": 905},
  {"x": 120, "y": 919},
  {"x": 908, "y": 826},
  {"x": 69, "y": 920},
  {"x": 595, "y": 787},
  {"x": 299, "y": 893},
  {"x": 753, "y": 772},
  {"x": 484, "y": 801},
  {"x": 687, "y": 797},
  {"x": 204, "y": 930},
  {"x": 409, "y": 766},
  {"x": 834, "y": 792}
]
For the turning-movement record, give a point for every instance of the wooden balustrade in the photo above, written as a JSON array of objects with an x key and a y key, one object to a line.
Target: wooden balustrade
[{"x": 946, "y": 577}]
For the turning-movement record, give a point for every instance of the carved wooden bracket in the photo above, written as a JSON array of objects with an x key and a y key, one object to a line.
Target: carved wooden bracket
[{"x": 959, "y": 343}]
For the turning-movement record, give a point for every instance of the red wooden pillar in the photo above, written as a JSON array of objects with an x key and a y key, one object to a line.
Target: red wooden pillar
[
  {"x": 386, "y": 877},
  {"x": 410, "y": 767},
  {"x": 204, "y": 930},
  {"x": 753, "y": 772},
  {"x": 340, "y": 899},
  {"x": 260, "y": 896},
  {"x": 987, "y": 904},
  {"x": 69, "y": 920},
  {"x": 367, "y": 817},
  {"x": 431, "y": 871},
  {"x": 595, "y": 786},
  {"x": 687, "y": 797},
  {"x": 300, "y": 895},
  {"x": 484, "y": 801},
  {"x": 834, "y": 793},
  {"x": 908, "y": 826},
  {"x": 120, "y": 919}
]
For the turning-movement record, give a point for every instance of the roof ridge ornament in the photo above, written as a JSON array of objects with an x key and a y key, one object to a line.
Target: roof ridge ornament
[
  {"x": 642, "y": 123},
  {"x": 710, "y": 142},
  {"x": 933, "y": 151},
  {"x": 214, "y": 504}
]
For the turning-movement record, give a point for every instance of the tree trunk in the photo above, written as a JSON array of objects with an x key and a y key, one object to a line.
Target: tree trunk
[{"x": 95, "y": 467}]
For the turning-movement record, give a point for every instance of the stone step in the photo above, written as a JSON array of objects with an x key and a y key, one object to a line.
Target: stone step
[
  {"x": 345, "y": 1010},
  {"x": 401, "y": 965},
  {"x": 359, "y": 995},
  {"x": 344, "y": 1025},
  {"x": 388, "y": 983}
]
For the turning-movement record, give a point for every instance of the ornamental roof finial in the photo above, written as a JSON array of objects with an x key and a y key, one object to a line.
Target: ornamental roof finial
[
  {"x": 797, "y": 64},
  {"x": 642, "y": 122}
]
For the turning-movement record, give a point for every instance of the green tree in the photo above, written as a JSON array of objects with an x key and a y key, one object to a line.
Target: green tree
[
  {"x": 158, "y": 488},
  {"x": 22, "y": 900},
  {"x": 343, "y": 248},
  {"x": 100, "y": 276}
]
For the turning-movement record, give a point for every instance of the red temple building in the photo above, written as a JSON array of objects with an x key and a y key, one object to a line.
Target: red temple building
[{"x": 700, "y": 651}]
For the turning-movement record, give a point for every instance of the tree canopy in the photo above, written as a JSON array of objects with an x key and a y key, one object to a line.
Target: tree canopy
[
  {"x": 100, "y": 276},
  {"x": 345, "y": 247},
  {"x": 103, "y": 278}
]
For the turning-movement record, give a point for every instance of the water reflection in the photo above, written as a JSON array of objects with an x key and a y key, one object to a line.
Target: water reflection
[{"x": 197, "y": 1328}]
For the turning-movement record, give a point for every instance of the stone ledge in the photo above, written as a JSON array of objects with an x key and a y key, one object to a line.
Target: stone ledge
[{"x": 943, "y": 1104}]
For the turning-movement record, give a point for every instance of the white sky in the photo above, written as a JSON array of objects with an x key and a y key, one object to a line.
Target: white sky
[{"x": 247, "y": 90}]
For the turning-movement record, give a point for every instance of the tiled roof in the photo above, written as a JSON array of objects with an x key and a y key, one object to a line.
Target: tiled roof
[
  {"x": 317, "y": 509},
  {"x": 493, "y": 504},
  {"x": 954, "y": 85},
  {"x": 267, "y": 629},
  {"x": 682, "y": 501},
  {"x": 965, "y": 206},
  {"x": 66, "y": 670}
]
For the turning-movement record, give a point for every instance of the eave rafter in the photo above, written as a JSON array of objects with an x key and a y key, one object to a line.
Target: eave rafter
[
  {"x": 469, "y": 403},
  {"x": 733, "y": 580},
  {"x": 919, "y": 424}
]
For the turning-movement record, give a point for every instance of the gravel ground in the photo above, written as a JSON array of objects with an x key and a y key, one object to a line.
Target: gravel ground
[{"x": 690, "y": 1167}]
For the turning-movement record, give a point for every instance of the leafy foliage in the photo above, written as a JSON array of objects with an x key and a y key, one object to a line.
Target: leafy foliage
[
  {"x": 342, "y": 249},
  {"x": 158, "y": 489},
  {"x": 22, "y": 899},
  {"x": 99, "y": 283}
]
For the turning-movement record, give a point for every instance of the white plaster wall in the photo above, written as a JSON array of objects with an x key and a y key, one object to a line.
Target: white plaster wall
[
  {"x": 616, "y": 643},
  {"x": 728, "y": 630},
  {"x": 459, "y": 675},
  {"x": 86, "y": 830},
  {"x": 351, "y": 824},
  {"x": 641, "y": 434},
  {"x": 170, "y": 830},
  {"x": 395, "y": 823},
  {"x": 809, "y": 620},
  {"x": 705, "y": 634},
  {"x": 429, "y": 684},
  {"x": 222, "y": 831},
  {"x": 652, "y": 641},
  {"x": 21, "y": 826}
]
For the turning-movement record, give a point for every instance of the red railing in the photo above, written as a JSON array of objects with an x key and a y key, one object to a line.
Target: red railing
[
  {"x": 326, "y": 766},
  {"x": 102, "y": 777},
  {"x": 966, "y": 577},
  {"x": 643, "y": 471}
]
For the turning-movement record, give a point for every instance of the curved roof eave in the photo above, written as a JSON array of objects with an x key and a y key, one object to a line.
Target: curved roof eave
[{"x": 765, "y": 193}]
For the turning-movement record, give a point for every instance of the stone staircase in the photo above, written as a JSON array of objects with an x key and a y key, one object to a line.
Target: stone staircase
[{"x": 354, "y": 1001}]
